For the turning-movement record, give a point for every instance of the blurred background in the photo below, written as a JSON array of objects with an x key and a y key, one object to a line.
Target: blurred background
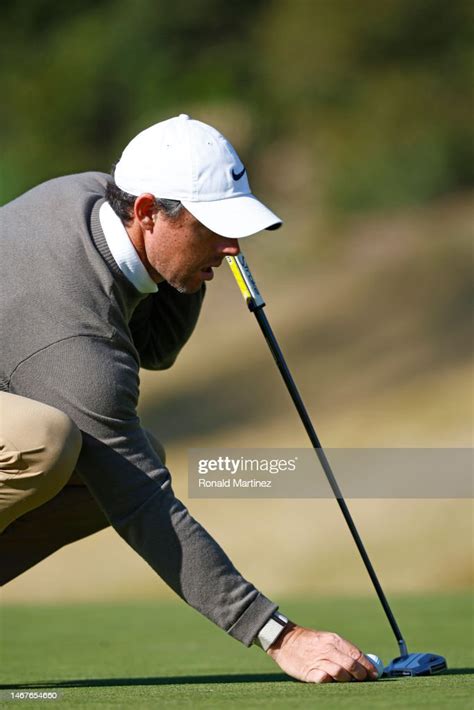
[{"x": 354, "y": 120}]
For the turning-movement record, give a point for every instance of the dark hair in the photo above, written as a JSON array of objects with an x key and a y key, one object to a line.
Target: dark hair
[{"x": 122, "y": 202}]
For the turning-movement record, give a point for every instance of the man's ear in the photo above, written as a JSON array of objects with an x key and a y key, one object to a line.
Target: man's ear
[{"x": 145, "y": 211}]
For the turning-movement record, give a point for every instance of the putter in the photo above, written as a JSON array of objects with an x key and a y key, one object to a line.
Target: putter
[{"x": 406, "y": 664}]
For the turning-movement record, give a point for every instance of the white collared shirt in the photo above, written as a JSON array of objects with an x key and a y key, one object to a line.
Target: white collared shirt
[{"x": 123, "y": 250}]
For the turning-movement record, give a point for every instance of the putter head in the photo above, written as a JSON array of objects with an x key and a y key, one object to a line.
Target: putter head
[{"x": 415, "y": 664}]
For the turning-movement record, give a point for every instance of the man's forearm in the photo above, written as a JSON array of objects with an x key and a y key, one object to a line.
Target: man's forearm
[
  {"x": 159, "y": 527},
  {"x": 191, "y": 562}
]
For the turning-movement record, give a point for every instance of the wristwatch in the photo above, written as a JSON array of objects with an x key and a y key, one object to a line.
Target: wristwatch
[{"x": 269, "y": 633}]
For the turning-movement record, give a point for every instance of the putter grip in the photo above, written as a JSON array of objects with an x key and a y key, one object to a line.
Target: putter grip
[{"x": 245, "y": 281}]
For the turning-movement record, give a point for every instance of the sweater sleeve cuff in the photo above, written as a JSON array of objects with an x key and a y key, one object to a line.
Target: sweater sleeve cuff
[{"x": 252, "y": 620}]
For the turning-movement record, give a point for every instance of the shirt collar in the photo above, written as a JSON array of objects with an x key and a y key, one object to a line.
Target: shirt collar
[{"x": 123, "y": 250}]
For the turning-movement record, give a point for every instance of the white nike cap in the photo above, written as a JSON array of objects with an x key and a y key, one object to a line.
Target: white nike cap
[{"x": 184, "y": 159}]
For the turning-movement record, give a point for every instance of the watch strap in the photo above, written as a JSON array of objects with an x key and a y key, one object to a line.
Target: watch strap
[{"x": 269, "y": 633}]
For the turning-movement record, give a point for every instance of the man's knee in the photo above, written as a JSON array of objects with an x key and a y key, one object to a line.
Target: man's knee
[
  {"x": 39, "y": 448},
  {"x": 63, "y": 442}
]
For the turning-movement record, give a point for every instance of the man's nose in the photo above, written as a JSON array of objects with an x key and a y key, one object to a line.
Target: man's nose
[{"x": 230, "y": 247}]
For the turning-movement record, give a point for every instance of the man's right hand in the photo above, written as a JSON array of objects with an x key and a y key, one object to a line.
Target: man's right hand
[{"x": 319, "y": 657}]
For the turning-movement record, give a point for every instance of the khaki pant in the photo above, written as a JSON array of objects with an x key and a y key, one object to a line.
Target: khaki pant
[
  {"x": 39, "y": 447},
  {"x": 42, "y": 506}
]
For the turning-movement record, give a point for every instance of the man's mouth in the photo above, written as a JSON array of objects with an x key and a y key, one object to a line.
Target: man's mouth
[{"x": 207, "y": 273}]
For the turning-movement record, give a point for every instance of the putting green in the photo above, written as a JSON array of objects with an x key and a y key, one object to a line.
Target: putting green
[{"x": 145, "y": 655}]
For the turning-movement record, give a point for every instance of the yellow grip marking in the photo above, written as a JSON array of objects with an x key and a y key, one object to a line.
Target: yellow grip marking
[{"x": 238, "y": 277}]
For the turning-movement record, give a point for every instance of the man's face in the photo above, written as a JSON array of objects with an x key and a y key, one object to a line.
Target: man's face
[{"x": 182, "y": 251}]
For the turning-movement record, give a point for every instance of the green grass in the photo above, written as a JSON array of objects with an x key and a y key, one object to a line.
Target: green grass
[{"x": 164, "y": 655}]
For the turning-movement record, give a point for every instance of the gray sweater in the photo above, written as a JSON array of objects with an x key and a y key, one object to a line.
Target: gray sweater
[{"x": 74, "y": 334}]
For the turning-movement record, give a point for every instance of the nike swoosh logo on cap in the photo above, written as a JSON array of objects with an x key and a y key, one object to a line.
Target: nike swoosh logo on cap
[{"x": 237, "y": 176}]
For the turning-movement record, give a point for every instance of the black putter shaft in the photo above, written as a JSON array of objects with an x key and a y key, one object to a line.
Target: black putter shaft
[{"x": 256, "y": 304}]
